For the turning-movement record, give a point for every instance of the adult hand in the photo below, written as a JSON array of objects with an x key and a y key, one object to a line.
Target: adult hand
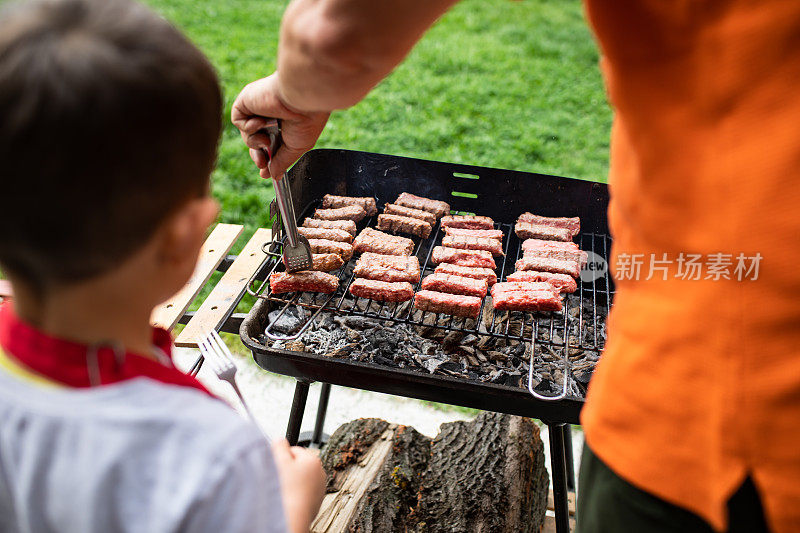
[
  {"x": 262, "y": 99},
  {"x": 302, "y": 484}
]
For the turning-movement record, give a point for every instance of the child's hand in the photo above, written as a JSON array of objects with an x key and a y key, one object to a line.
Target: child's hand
[{"x": 302, "y": 484}]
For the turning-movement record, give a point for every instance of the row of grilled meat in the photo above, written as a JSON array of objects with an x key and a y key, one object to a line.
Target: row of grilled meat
[
  {"x": 387, "y": 270},
  {"x": 548, "y": 268}
]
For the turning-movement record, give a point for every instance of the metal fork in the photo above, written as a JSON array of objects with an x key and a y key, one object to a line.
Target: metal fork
[{"x": 219, "y": 358}]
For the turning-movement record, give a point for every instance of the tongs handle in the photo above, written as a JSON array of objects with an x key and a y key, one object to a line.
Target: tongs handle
[{"x": 283, "y": 193}]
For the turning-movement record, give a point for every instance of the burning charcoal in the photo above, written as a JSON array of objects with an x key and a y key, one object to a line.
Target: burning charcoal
[
  {"x": 429, "y": 319},
  {"x": 429, "y": 348},
  {"x": 519, "y": 350},
  {"x": 497, "y": 375},
  {"x": 383, "y": 360},
  {"x": 515, "y": 330},
  {"x": 452, "y": 338},
  {"x": 451, "y": 366},
  {"x": 583, "y": 371},
  {"x": 289, "y": 322},
  {"x": 584, "y": 375},
  {"x": 575, "y": 353},
  {"x": 469, "y": 339},
  {"x": 485, "y": 343},
  {"x": 497, "y": 356},
  {"x": 432, "y": 364},
  {"x": 479, "y": 357}
]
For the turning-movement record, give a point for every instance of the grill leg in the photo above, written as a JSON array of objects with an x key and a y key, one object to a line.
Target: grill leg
[
  {"x": 298, "y": 409},
  {"x": 322, "y": 410},
  {"x": 558, "y": 464},
  {"x": 568, "y": 456}
]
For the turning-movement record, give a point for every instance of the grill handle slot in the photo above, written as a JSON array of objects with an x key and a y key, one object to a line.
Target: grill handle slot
[{"x": 565, "y": 370}]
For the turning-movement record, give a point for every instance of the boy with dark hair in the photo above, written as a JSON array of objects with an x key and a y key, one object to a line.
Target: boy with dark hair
[{"x": 109, "y": 122}]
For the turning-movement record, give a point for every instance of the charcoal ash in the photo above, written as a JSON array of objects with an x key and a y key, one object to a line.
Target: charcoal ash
[
  {"x": 287, "y": 322},
  {"x": 434, "y": 349}
]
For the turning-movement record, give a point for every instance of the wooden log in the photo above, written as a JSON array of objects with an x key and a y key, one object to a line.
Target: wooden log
[
  {"x": 485, "y": 475},
  {"x": 374, "y": 469}
]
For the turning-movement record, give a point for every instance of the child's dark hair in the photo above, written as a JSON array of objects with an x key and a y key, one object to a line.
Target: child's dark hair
[{"x": 109, "y": 121}]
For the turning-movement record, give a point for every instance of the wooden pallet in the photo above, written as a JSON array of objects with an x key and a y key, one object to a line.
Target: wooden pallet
[
  {"x": 550, "y": 517},
  {"x": 214, "y": 250},
  {"x": 222, "y": 300},
  {"x": 220, "y": 304}
]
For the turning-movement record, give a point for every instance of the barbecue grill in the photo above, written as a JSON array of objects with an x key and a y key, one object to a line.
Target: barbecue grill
[{"x": 500, "y": 194}]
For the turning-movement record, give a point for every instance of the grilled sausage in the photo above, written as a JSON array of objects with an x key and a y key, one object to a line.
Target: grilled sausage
[
  {"x": 437, "y": 207},
  {"x": 573, "y": 224},
  {"x": 351, "y": 212},
  {"x": 401, "y": 224},
  {"x": 330, "y": 234},
  {"x": 347, "y": 225},
  {"x": 468, "y": 272},
  {"x": 562, "y": 282},
  {"x": 467, "y": 222},
  {"x": 465, "y": 242},
  {"x": 455, "y": 284},
  {"x": 469, "y": 258},
  {"x": 545, "y": 264},
  {"x": 394, "y": 209},
  {"x": 382, "y": 291},
  {"x": 525, "y": 297},
  {"x": 324, "y": 246},
  {"x": 488, "y": 233},
  {"x": 391, "y": 268},
  {"x": 526, "y": 230},
  {"x": 540, "y": 244},
  {"x": 303, "y": 281},
  {"x": 326, "y": 262},
  {"x": 330, "y": 201},
  {"x": 578, "y": 256},
  {"x": 372, "y": 240},
  {"x": 449, "y": 304}
]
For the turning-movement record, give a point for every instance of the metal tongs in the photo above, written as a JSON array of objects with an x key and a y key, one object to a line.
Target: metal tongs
[{"x": 296, "y": 248}]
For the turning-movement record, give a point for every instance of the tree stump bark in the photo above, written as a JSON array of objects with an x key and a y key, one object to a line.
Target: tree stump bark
[
  {"x": 485, "y": 475},
  {"x": 374, "y": 469}
]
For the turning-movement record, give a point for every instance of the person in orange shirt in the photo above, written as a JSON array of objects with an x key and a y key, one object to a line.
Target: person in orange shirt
[{"x": 690, "y": 418}]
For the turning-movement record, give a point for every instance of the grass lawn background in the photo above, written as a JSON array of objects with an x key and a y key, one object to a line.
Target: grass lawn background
[{"x": 509, "y": 84}]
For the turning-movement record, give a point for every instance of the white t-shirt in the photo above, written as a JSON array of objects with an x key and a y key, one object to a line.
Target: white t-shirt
[{"x": 136, "y": 456}]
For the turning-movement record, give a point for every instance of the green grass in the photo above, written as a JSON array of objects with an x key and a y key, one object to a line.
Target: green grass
[{"x": 502, "y": 84}]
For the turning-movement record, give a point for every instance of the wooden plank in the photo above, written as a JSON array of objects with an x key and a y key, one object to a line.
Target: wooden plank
[
  {"x": 6, "y": 291},
  {"x": 550, "y": 523},
  {"x": 219, "y": 304},
  {"x": 211, "y": 255},
  {"x": 339, "y": 507},
  {"x": 551, "y": 504}
]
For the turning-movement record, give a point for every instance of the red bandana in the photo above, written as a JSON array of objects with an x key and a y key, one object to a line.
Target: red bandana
[{"x": 66, "y": 362}]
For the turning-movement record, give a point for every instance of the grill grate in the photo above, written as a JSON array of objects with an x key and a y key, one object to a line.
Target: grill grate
[{"x": 580, "y": 325}]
